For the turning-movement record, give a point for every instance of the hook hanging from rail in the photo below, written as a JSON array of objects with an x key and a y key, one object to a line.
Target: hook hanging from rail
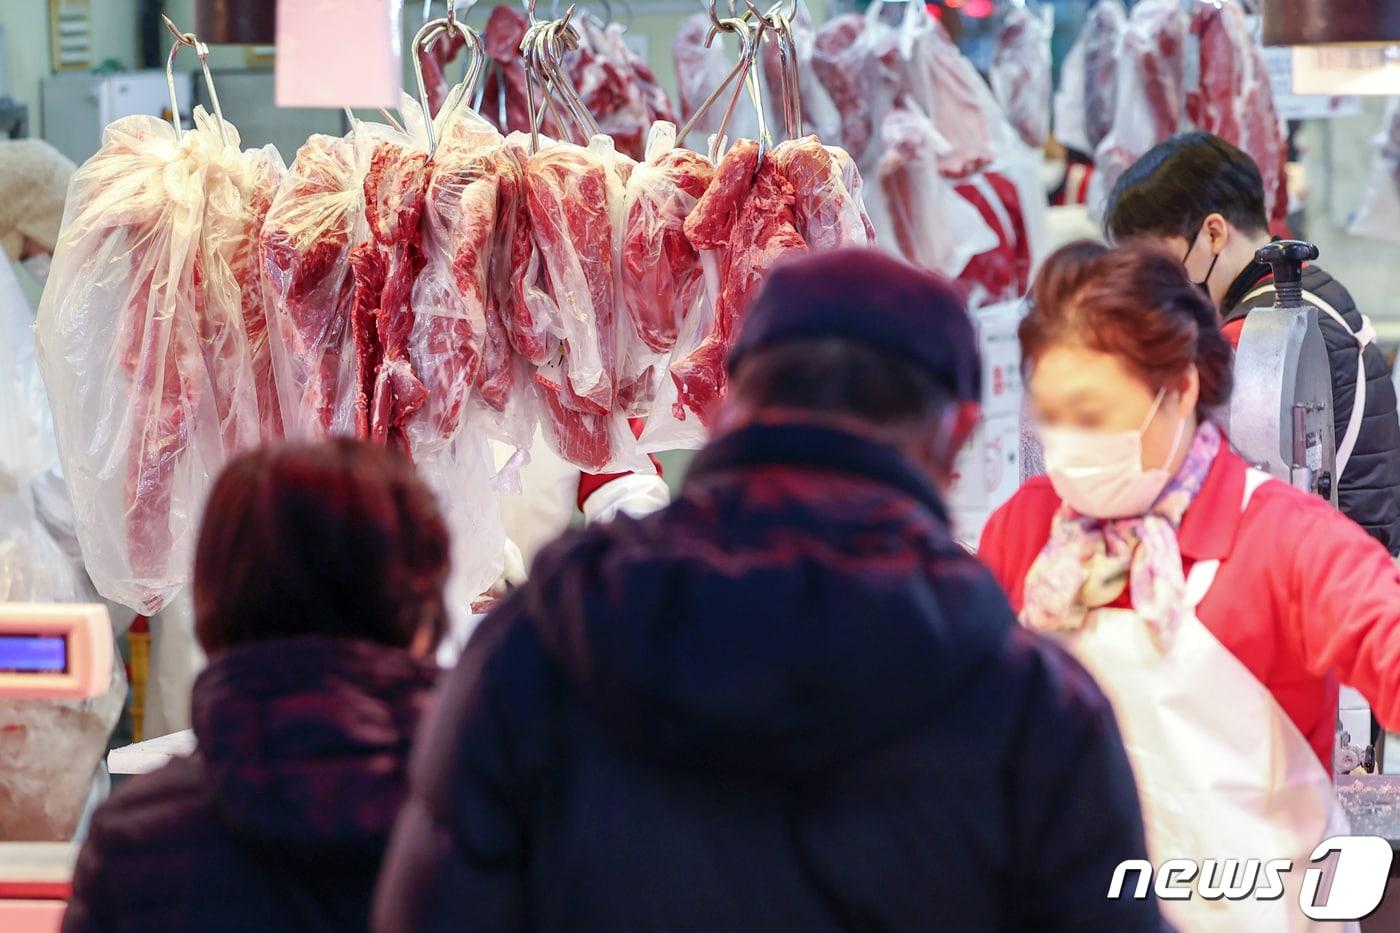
[
  {"x": 190, "y": 40},
  {"x": 430, "y": 32}
]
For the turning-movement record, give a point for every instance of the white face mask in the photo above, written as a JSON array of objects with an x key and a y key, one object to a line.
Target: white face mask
[
  {"x": 1100, "y": 473},
  {"x": 38, "y": 266}
]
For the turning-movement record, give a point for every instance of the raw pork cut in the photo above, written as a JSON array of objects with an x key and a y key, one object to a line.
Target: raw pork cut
[
  {"x": 661, "y": 273},
  {"x": 1151, "y": 90},
  {"x": 310, "y": 230},
  {"x": 1235, "y": 99},
  {"x": 803, "y": 194},
  {"x": 1021, "y": 72}
]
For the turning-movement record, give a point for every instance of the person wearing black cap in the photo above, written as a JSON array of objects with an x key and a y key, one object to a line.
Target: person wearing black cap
[{"x": 789, "y": 701}]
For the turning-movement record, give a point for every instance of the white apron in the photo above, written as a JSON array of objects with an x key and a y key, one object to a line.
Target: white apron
[{"x": 1222, "y": 771}]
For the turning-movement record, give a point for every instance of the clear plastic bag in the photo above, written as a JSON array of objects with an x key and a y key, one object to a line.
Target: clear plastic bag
[
  {"x": 1087, "y": 96},
  {"x": 1378, "y": 216},
  {"x": 315, "y": 221},
  {"x": 1235, "y": 97},
  {"x": 1151, "y": 102},
  {"x": 144, "y": 350},
  {"x": 1021, "y": 71},
  {"x": 661, "y": 274},
  {"x": 933, "y": 225}
]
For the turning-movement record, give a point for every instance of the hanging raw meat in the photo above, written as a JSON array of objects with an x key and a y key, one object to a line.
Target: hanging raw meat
[
  {"x": 146, "y": 414},
  {"x": 1086, "y": 98},
  {"x": 819, "y": 115},
  {"x": 395, "y": 190},
  {"x": 1235, "y": 99},
  {"x": 504, "y": 97},
  {"x": 661, "y": 273},
  {"x": 1151, "y": 90},
  {"x": 314, "y": 222},
  {"x": 1021, "y": 72},
  {"x": 933, "y": 225},
  {"x": 619, "y": 91},
  {"x": 450, "y": 297},
  {"x": 942, "y": 83},
  {"x": 841, "y": 61},
  {"x": 752, "y": 215},
  {"x": 260, "y": 185},
  {"x": 699, "y": 70}
]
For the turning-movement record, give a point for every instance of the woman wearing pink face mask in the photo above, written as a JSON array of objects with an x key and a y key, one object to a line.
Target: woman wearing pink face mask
[{"x": 1217, "y": 608}]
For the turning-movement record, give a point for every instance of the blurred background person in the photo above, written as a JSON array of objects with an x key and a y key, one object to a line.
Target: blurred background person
[
  {"x": 789, "y": 701},
  {"x": 318, "y": 596},
  {"x": 1187, "y": 581},
  {"x": 1198, "y": 197}
]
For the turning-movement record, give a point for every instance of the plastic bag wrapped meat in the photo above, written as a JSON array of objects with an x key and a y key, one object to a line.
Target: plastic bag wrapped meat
[
  {"x": 263, "y": 171},
  {"x": 701, "y": 69},
  {"x": 943, "y": 84},
  {"x": 933, "y": 225},
  {"x": 750, "y": 216},
  {"x": 148, "y": 370},
  {"x": 819, "y": 115},
  {"x": 395, "y": 192},
  {"x": 1151, "y": 91},
  {"x": 447, "y": 346},
  {"x": 840, "y": 59},
  {"x": 310, "y": 230},
  {"x": 1021, "y": 72},
  {"x": 618, "y": 89},
  {"x": 661, "y": 274},
  {"x": 1235, "y": 99},
  {"x": 1087, "y": 97}
]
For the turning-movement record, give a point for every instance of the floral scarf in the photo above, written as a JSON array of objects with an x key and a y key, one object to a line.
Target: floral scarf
[{"x": 1088, "y": 562}]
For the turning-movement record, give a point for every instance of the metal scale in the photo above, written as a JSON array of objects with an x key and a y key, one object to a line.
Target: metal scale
[{"x": 1281, "y": 422}]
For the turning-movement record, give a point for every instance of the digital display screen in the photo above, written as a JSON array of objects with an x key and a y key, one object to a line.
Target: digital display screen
[{"x": 33, "y": 654}]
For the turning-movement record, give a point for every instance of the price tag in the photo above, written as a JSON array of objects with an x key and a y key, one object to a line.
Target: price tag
[
  {"x": 1340, "y": 69},
  {"x": 336, "y": 54}
]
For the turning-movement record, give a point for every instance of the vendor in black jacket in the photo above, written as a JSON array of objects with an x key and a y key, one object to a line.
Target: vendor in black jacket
[
  {"x": 789, "y": 701},
  {"x": 1202, "y": 199}
]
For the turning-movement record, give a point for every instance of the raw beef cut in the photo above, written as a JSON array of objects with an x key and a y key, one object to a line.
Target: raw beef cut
[
  {"x": 263, "y": 171},
  {"x": 395, "y": 189},
  {"x": 1151, "y": 90},
  {"x": 941, "y": 82},
  {"x": 504, "y": 99},
  {"x": 752, "y": 215},
  {"x": 933, "y": 225},
  {"x": 310, "y": 230},
  {"x": 145, "y": 413},
  {"x": 572, "y": 195},
  {"x": 1021, "y": 72},
  {"x": 450, "y": 297},
  {"x": 519, "y": 276},
  {"x": 661, "y": 273},
  {"x": 618, "y": 89},
  {"x": 1103, "y": 44},
  {"x": 841, "y": 61},
  {"x": 1235, "y": 99}
]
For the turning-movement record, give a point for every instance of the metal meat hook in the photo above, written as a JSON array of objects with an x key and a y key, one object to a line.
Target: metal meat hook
[{"x": 189, "y": 39}]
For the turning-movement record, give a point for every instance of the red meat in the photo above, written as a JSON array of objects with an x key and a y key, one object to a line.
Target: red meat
[
  {"x": 1235, "y": 99},
  {"x": 1103, "y": 39},
  {"x": 844, "y": 69},
  {"x": 266, "y": 174},
  {"x": 661, "y": 274},
  {"x": 1021, "y": 74}
]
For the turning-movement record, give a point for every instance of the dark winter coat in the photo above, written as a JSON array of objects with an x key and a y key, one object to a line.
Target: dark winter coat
[
  {"x": 787, "y": 702},
  {"x": 281, "y": 819},
  {"x": 1369, "y": 490}
]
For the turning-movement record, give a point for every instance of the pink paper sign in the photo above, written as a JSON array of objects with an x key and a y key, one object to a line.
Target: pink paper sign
[{"x": 339, "y": 53}]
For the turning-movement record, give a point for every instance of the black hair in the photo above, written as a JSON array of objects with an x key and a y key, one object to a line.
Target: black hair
[
  {"x": 833, "y": 376},
  {"x": 1172, "y": 189}
]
